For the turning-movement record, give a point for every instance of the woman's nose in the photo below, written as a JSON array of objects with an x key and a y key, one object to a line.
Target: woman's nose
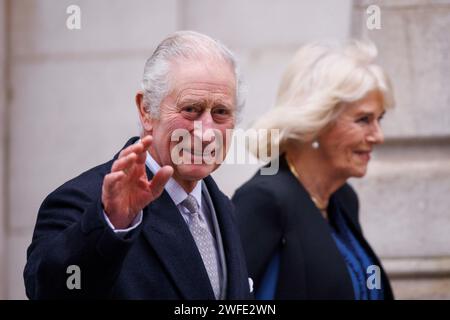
[{"x": 376, "y": 135}]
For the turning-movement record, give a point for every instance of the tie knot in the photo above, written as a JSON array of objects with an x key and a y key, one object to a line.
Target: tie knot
[{"x": 190, "y": 203}]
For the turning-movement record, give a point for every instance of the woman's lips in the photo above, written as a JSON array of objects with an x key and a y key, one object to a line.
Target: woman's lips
[{"x": 364, "y": 155}]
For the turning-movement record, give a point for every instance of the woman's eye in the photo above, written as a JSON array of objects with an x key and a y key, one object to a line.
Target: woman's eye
[{"x": 363, "y": 120}]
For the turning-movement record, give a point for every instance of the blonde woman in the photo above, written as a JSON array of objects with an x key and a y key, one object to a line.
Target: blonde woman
[{"x": 300, "y": 227}]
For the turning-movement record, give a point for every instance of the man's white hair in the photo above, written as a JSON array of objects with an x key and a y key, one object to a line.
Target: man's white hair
[
  {"x": 188, "y": 45},
  {"x": 319, "y": 79}
]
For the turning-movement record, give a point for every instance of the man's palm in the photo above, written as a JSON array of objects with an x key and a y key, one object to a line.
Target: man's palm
[{"x": 126, "y": 190}]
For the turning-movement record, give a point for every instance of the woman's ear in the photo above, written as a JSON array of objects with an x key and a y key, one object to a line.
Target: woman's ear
[{"x": 144, "y": 116}]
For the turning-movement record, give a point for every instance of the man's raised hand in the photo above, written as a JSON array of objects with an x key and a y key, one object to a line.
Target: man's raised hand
[{"x": 126, "y": 189}]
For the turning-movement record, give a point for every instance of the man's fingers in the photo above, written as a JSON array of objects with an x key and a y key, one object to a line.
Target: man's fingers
[
  {"x": 159, "y": 180},
  {"x": 147, "y": 142},
  {"x": 111, "y": 179},
  {"x": 124, "y": 163},
  {"x": 141, "y": 157},
  {"x": 139, "y": 147}
]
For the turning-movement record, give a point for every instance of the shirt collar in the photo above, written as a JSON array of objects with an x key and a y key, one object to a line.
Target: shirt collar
[{"x": 175, "y": 191}]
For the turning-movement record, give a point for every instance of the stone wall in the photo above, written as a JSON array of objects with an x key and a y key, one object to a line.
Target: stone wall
[
  {"x": 71, "y": 106},
  {"x": 3, "y": 254}
]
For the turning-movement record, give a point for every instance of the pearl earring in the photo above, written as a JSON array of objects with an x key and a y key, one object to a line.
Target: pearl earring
[{"x": 315, "y": 144}]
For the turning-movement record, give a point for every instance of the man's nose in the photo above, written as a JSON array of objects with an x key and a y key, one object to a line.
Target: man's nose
[{"x": 207, "y": 123}]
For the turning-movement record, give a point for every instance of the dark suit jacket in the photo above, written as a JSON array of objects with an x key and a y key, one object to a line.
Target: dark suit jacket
[
  {"x": 276, "y": 213},
  {"x": 157, "y": 260}
]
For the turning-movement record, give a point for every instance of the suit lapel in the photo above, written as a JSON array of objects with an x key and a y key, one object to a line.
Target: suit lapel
[
  {"x": 167, "y": 232},
  {"x": 218, "y": 235},
  {"x": 230, "y": 242}
]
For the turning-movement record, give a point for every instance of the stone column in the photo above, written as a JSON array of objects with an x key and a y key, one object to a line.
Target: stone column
[{"x": 3, "y": 151}]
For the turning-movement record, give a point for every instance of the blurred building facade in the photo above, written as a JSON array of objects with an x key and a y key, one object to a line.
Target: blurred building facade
[{"x": 67, "y": 104}]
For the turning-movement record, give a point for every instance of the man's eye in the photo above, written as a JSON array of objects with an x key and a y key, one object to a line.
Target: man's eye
[
  {"x": 221, "y": 111},
  {"x": 191, "y": 109}
]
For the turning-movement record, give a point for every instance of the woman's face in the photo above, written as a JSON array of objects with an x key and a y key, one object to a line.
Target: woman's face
[{"x": 347, "y": 143}]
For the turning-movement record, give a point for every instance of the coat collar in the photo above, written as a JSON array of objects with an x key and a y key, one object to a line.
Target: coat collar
[
  {"x": 168, "y": 234},
  {"x": 308, "y": 218},
  {"x": 237, "y": 286}
]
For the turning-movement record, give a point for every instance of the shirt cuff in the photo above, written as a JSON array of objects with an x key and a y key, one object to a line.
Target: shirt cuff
[{"x": 136, "y": 222}]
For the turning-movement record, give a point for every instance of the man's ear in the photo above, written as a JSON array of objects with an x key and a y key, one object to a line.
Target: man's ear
[{"x": 144, "y": 116}]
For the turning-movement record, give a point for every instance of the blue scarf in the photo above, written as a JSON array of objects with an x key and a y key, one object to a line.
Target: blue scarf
[{"x": 356, "y": 258}]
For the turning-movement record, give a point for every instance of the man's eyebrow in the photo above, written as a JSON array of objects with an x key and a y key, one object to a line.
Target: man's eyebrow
[
  {"x": 203, "y": 101},
  {"x": 192, "y": 100},
  {"x": 223, "y": 101}
]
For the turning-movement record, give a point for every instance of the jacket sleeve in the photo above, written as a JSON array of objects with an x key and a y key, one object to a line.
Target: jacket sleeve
[
  {"x": 260, "y": 224},
  {"x": 70, "y": 230}
]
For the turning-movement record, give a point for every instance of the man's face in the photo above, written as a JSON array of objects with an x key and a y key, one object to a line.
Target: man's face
[{"x": 202, "y": 93}]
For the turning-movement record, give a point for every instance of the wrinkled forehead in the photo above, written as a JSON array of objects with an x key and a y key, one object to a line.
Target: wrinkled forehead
[
  {"x": 201, "y": 68},
  {"x": 209, "y": 75}
]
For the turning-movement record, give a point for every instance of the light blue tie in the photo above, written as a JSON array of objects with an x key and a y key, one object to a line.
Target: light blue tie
[{"x": 205, "y": 243}]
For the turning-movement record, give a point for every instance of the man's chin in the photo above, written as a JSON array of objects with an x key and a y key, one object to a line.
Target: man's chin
[{"x": 195, "y": 172}]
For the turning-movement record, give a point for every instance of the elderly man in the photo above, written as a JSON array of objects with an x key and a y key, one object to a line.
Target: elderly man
[{"x": 151, "y": 223}]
